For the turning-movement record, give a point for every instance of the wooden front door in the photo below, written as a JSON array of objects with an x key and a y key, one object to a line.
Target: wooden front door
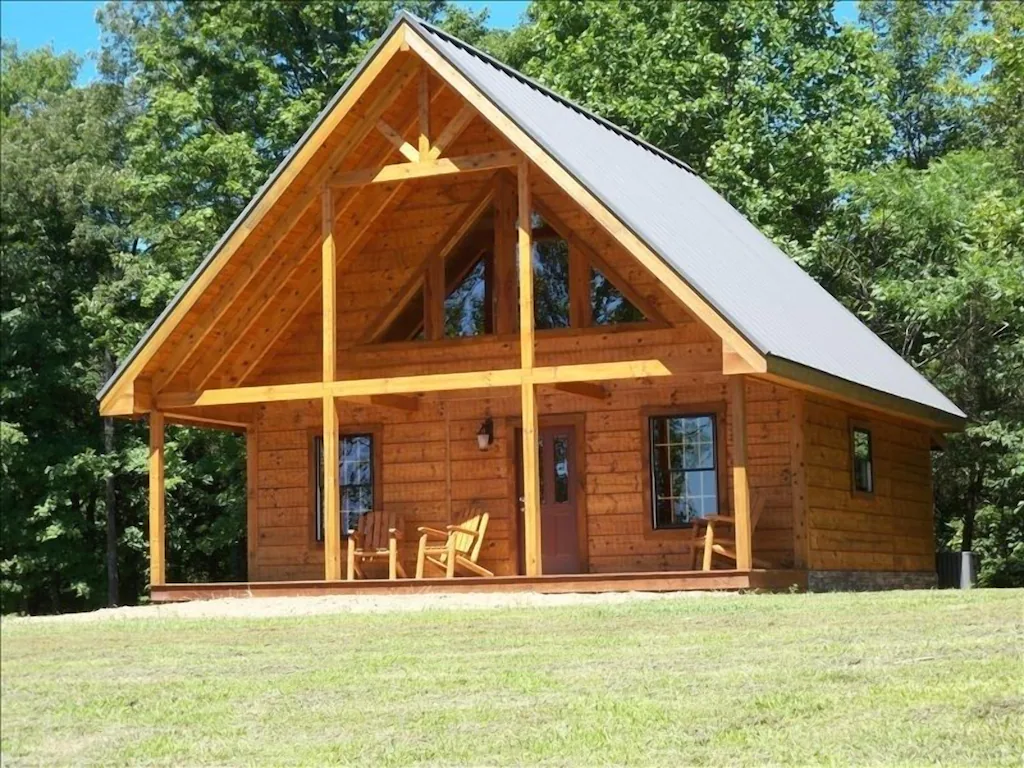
[{"x": 560, "y": 551}]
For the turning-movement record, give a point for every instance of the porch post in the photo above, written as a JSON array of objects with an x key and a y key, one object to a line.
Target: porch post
[
  {"x": 531, "y": 470},
  {"x": 740, "y": 482},
  {"x": 157, "y": 512},
  {"x": 332, "y": 510}
]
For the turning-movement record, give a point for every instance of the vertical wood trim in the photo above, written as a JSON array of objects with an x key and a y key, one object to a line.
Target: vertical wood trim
[
  {"x": 433, "y": 301},
  {"x": 157, "y": 510},
  {"x": 332, "y": 509},
  {"x": 740, "y": 481},
  {"x": 424, "y": 98},
  {"x": 504, "y": 257},
  {"x": 579, "y": 287},
  {"x": 329, "y": 289},
  {"x": 531, "y": 477},
  {"x": 447, "y": 461},
  {"x": 798, "y": 481},
  {"x": 252, "y": 475}
]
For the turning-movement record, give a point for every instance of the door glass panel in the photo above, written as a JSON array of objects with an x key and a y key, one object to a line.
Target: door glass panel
[{"x": 561, "y": 467}]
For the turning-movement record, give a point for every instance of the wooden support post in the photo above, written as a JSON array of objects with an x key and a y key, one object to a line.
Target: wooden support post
[
  {"x": 505, "y": 277},
  {"x": 332, "y": 509},
  {"x": 157, "y": 511},
  {"x": 252, "y": 475},
  {"x": 740, "y": 482},
  {"x": 531, "y": 468}
]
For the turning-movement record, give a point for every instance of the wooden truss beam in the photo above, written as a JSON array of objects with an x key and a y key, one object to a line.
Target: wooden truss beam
[
  {"x": 445, "y": 166},
  {"x": 405, "y": 385}
]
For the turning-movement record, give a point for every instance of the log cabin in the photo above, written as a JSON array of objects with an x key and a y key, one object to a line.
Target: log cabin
[{"x": 464, "y": 298}]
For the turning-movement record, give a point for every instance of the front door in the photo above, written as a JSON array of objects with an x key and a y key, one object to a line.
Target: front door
[{"x": 558, "y": 481}]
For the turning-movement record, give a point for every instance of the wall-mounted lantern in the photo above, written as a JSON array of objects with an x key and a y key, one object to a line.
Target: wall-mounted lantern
[{"x": 485, "y": 435}]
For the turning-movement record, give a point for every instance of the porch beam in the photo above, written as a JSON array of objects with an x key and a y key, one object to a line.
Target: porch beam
[
  {"x": 435, "y": 382},
  {"x": 583, "y": 389},
  {"x": 331, "y": 507},
  {"x": 157, "y": 510},
  {"x": 531, "y": 468},
  {"x": 487, "y": 161},
  {"x": 740, "y": 481}
]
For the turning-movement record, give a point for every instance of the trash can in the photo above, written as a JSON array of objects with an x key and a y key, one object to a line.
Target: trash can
[{"x": 957, "y": 570}]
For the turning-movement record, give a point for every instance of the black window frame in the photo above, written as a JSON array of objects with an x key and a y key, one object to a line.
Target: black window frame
[
  {"x": 717, "y": 462},
  {"x": 318, "y": 480},
  {"x": 855, "y": 476}
]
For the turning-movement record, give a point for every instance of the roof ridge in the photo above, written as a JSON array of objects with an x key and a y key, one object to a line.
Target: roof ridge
[{"x": 527, "y": 80}]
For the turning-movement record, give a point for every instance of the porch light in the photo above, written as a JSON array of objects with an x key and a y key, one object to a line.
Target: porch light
[{"x": 485, "y": 435}]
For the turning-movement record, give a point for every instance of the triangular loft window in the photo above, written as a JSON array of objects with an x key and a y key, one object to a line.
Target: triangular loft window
[
  {"x": 551, "y": 283},
  {"x": 608, "y": 305},
  {"x": 468, "y": 308}
]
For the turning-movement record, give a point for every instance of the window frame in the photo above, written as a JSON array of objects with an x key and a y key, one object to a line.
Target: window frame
[
  {"x": 855, "y": 426},
  {"x": 375, "y": 431},
  {"x": 718, "y": 412}
]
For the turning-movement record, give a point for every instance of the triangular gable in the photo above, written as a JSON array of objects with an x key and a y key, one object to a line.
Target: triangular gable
[{"x": 589, "y": 162}]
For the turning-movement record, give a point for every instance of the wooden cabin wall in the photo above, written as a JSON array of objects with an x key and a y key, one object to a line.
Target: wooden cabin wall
[
  {"x": 890, "y": 530},
  {"x": 431, "y": 455}
]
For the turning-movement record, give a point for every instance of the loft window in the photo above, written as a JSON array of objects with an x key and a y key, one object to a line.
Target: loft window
[
  {"x": 863, "y": 464},
  {"x": 684, "y": 469},
  {"x": 356, "y": 481},
  {"x": 468, "y": 308},
  {"x": 608, "y": 306},
  {"x": 550, "y": 276}
]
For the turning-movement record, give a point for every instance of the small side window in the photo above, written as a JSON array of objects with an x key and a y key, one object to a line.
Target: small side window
[{"x": 863, "y": 465}]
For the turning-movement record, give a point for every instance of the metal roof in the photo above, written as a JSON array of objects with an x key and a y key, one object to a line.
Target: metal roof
[{"x": 759, "y": 290}]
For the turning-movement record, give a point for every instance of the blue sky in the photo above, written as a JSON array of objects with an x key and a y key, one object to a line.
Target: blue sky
[{"x": 70, "y": 25}]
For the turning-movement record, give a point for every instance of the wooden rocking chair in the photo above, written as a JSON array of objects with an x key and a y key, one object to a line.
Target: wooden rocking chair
[
  {"x": 456, "y": 547},
  {"x": 374, "y": 539},
  {"x": 707, "y": 536}
]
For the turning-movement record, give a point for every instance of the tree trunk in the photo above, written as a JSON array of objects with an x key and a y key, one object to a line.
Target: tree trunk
[{"x": 113, "y": 578}]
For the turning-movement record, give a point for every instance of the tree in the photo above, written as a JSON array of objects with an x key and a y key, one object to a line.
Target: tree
[{"x": 767, "y": 101}]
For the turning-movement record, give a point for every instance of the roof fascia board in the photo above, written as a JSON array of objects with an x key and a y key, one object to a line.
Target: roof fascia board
[
  {"x": 544, "y": 159},
  {"x": 390, "y": 43},
  {"x": 812, "y": 380}
]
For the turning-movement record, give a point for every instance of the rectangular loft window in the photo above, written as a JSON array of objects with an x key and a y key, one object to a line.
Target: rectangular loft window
[
  {"x": 356, "y": 474},
  {"x": 684, "y": 469},
  {"x": 863, "y": 464}
]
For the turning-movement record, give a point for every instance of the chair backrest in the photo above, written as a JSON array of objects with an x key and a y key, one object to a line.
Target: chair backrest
[
  {"x": 469, "y": 546},
  {"x": 373, "y": 527}
]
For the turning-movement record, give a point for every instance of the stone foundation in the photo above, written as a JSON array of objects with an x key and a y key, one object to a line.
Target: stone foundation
[{"x": 868, "y": 581}]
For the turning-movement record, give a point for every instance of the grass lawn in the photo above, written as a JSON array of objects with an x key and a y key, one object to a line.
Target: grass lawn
[{"x": 891, "y": 678}]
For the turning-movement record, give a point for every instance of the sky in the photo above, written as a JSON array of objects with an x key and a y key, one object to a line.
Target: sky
[{"x": 70, "y": 25}]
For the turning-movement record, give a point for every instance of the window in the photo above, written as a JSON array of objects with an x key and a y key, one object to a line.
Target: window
[
  {"x": 607, "y": 304},
  {"x": 467, "y": 309},
  {"x": 684, "y": 469},
  {"x": 551, "y": 284},
  {"x": 863, "y": 469},
  {"x": 356, "y": 480}
]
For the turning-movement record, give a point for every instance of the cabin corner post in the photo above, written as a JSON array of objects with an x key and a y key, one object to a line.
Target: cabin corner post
[
  {"x": 740, "y": 480},
  {"x": 531, "y": 469},
  {"x": 331, "y": 505},
  {"x": 157, "y": 509}
]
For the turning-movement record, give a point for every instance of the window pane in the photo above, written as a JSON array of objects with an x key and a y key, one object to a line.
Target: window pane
[
  {"x": 607, "y": 304},
  {"x": 551, "y": 284},
  {"x": 465, "y": 309},
  {"x": 863, "y": 478},
  {"x": 561, "y": 449},
  {"x": 683, "y": 473}
]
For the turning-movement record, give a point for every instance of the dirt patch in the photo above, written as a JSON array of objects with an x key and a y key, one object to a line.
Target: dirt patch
[{"x": 272, "y": 607}]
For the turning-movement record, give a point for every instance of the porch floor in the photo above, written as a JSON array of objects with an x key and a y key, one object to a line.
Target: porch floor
[{"x": 665, "y": 581}]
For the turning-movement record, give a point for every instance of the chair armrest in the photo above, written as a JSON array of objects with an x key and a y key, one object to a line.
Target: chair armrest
[
  {"x": 432, "y": 532},
  {"x": 723, "y": 519},
  {"x": 460, "y": 529},
  {"x": 396, "y": 532},
  {"x": 356, "y": 537}
]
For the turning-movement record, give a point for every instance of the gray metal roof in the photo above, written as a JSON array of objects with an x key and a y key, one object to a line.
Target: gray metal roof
[{"x": 759, "y": 290}]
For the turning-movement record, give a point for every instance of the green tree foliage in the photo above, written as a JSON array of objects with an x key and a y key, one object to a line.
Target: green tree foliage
[{"x": 887, "y": 156}]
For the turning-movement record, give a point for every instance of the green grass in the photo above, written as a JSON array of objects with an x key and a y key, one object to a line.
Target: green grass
[{"x": 896, "y": 678}]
